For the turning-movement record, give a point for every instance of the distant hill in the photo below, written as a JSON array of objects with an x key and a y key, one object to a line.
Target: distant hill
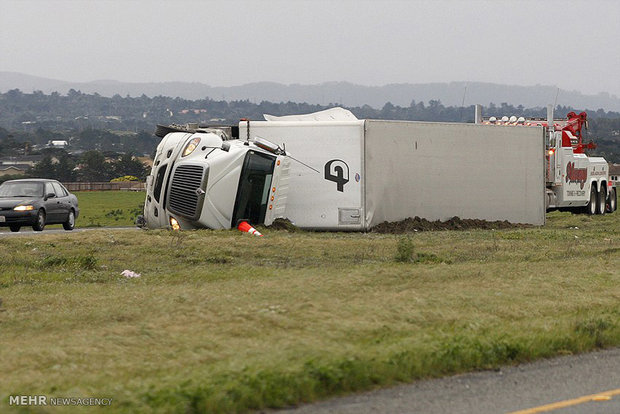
[{"x": 343, "y": 93}]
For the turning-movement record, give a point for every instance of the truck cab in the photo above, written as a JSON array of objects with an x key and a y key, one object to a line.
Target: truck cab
[{"x": 204, "y": 178}]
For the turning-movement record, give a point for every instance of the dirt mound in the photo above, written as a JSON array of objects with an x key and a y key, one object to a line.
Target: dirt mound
[
  {"x": 455, "y": 223},
  {"x": 415, "y": 224},
  {"x": 283, "y": 224}
]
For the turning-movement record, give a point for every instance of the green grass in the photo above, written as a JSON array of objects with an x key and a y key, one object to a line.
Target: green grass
[
  {"x": 224, "y": 321},
  {"x": 109, "y": 208}
]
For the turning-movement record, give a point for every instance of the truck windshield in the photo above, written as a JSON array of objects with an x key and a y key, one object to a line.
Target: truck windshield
[
  {"x": 159, "y": 181},
  {"x": 253, "y": 190}
]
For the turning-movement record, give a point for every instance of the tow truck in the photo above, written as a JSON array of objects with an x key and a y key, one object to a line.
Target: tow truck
[{"x": 574, "y": 181}]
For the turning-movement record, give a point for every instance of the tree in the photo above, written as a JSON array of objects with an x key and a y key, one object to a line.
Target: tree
[
  {"x": 127, "y": 164},
  {"x": 56, "y": 164},
  {"x": 65, "y": 169},
  {"x": 93, "y": 167},
  {"x": 43, "y": 169}
]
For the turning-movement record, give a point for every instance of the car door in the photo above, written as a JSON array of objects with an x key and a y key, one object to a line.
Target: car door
[
  {"x": 64, "y": 205},
  {"x": 53, "y": 210}
]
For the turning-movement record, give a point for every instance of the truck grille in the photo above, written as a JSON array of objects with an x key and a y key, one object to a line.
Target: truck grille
[{"x": 186, "y": 191}]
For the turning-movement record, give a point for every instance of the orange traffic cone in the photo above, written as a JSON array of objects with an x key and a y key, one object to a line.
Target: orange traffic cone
[{"x": 245, "y": 226}]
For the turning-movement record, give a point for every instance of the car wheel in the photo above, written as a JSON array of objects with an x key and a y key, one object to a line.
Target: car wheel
[
  {"x": 39, "y": 225},
  {"x": 15, "y": 228},
  {"x": 70, "y": 223}
]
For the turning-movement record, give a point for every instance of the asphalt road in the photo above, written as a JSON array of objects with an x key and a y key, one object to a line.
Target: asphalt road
[
  {"x": 27, "y": 231},
  {"x": 564, "y": 385}
]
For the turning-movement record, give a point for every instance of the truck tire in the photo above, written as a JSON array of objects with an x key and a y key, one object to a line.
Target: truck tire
[
  {"x": 591, "y": 207},
  {"x": 612, "y": 201},
  {"x": 601, "y": 203}
]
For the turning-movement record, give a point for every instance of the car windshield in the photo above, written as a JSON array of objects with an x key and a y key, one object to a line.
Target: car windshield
[{"x": 21, "y": 189}]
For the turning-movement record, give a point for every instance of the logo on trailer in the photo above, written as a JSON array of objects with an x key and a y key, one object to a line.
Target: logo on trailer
[
  {"x": 576, "y": 175},
  {"x": 338, "y": 172}
]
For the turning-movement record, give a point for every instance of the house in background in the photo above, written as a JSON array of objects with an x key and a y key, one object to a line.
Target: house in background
[
  {"x": 20, "y": 164},
  {"x": 614, "y": 173},
  {"x": 58, "y": 144},
  {"x": 13, "y": 169}
]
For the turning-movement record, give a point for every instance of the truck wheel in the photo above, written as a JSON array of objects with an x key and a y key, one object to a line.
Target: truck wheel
[
  {"x": 14, "y": 228},
  {"x": 602, "y": 200},
  {"x": 612, "y": 201},
  {"x": 591, "y": 207}
]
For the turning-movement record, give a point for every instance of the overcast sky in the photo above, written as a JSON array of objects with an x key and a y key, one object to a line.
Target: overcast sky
[{"x": 571, "y": 44}]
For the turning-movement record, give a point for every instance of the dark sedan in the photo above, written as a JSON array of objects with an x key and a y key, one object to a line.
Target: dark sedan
[{"x": 36, "y": 202}]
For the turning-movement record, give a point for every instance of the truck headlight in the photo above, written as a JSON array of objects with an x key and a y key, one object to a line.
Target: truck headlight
[
  {"x": 27, "y": 207},
  {"x": 190, "y": 147},
  {"x": 174, "y": 224}
]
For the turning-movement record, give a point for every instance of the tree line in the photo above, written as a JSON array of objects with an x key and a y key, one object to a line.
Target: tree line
[
  {"x": 125, "y": 124},
  {"x": 80, "y": 110},
  {"x": 90, "y": 166}
]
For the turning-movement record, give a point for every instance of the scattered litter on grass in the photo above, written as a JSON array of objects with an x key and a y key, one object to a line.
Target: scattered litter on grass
[
  {"x": 455, "y": 223},
  {"x": 273, "y": 309},
  {"x": 129, "y": 273}
]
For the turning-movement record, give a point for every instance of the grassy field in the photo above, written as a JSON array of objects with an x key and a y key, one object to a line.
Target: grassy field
[
  {"x": 224, "y": 321},
  {"x": 109, "y": 208}
]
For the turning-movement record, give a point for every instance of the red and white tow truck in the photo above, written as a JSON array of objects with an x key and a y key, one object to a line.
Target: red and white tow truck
[{"x": 574, "y": 181}]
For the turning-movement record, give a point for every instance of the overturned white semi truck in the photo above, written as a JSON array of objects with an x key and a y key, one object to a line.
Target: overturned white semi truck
[{"x": 331, "y": 171}]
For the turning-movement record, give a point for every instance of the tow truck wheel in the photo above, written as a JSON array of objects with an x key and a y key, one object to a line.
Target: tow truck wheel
[
  {"x": 591, "y": 207},
  {"x": 602, "y": 201},
  {"x": 612, "y": 201}
]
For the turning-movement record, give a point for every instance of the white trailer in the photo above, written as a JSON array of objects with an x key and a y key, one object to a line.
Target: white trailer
[
  {"x": 342, "y": 173},
  {"x": 365, "y": 172}
]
